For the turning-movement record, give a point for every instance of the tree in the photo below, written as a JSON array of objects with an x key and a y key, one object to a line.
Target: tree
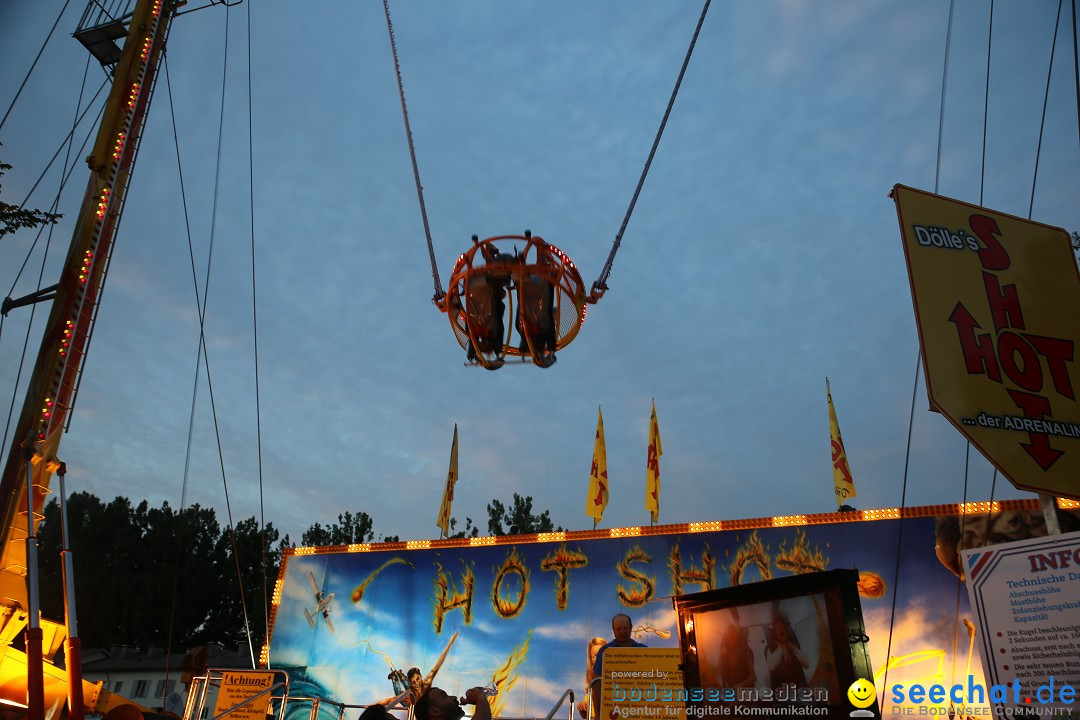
[
  {"x": 225, "y": 621},
  {"x": 176, "y": 575},
  {"x": 103, "y": 538},
  {"x": 135, "y": 568},
  {"x": 518, "y": 519},
  {"x": 13, "y": 217},
  {"x": 158, "y": 576},
  {"x": 348, "y": 530},
  {"x": 469, "y": 531}
]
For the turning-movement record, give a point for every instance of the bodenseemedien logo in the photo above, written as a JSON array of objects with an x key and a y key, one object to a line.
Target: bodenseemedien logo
[{"x": 862, "y": 695}]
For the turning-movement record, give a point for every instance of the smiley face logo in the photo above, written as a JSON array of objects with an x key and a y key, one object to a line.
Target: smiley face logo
[{"x": 862, "y": 693}]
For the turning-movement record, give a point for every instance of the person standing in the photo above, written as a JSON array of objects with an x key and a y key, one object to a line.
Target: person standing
[
  {"x": 592, "y": 650},
  {"x": 621, "y": 626}
]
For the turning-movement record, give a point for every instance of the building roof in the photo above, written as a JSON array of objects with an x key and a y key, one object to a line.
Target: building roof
[{"x": 149, "y": 659}]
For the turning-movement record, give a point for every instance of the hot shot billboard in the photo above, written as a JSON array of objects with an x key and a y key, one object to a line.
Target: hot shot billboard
[{"x": 525, "y": 611}]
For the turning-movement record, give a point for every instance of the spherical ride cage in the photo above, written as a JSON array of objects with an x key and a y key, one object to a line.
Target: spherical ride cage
[{"x": 544, "y": 300}]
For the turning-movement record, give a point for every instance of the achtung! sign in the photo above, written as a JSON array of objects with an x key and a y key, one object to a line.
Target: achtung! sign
[
  {"x": 997, "y": 303},
  {"x": 240, "y": 685}
]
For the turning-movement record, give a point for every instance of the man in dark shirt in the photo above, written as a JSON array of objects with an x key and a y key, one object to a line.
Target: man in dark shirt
[
  {"x": 621, "y": 626},
  {"x": 436, "y": 704}
]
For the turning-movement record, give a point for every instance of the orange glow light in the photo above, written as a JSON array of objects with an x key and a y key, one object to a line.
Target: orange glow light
[
  {"x": 695, "y": 527},
  {"x": 103, "y": 203},
  {"x": 118, "y": 147},
  {"x": 706, "y": 526}
]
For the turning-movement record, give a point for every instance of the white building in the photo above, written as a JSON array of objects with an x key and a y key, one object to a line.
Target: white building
[{"x": 154, "y": 678}]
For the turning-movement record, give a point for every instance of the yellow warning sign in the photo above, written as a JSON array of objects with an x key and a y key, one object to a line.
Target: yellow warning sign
[
  {"x": 240, "y": 685},
  {"x": 642, "y": 683}
]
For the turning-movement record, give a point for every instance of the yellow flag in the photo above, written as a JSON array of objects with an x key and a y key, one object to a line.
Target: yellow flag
[
  {"x": 844, "y": 485},
  {"x": 598, "y": 479},
  {"x": 443, "y": 521},
  {"x": 652, "y": 471}
]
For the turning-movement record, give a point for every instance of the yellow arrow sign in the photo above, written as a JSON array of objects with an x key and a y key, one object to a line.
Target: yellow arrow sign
[{"x": 997, "y": 303}]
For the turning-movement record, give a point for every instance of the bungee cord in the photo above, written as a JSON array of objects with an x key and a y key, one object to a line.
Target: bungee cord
[
  {"x": 439, "y": 297},
  {"x": 599, "y": 287}
]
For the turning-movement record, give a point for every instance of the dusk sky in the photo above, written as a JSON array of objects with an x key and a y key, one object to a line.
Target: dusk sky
[{"x": 763, "y": 256}]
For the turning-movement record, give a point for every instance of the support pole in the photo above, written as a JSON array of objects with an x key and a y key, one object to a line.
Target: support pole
[
  {"x": 35, "y": 680},
  {"x": 10, "y": 304},
  {"x": 1049, "y": 509},
  {"x": 73, "y": 646}
]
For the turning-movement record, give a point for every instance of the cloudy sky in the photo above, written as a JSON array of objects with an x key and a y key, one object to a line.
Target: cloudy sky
[{"x": 763, "y": 256}]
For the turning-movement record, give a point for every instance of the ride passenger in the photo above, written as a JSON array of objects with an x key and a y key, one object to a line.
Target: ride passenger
[
  {"x": 484, "y": 308},
  {"x": 437, "y": 704},
  {"x": 536, "y": 315}
]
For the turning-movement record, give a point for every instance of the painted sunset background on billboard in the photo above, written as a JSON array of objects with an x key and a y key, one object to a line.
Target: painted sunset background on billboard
[{"x": 523, "y": 614}]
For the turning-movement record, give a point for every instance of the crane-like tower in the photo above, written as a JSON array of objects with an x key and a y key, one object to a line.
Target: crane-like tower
[{"x": 32, "y": 459}]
